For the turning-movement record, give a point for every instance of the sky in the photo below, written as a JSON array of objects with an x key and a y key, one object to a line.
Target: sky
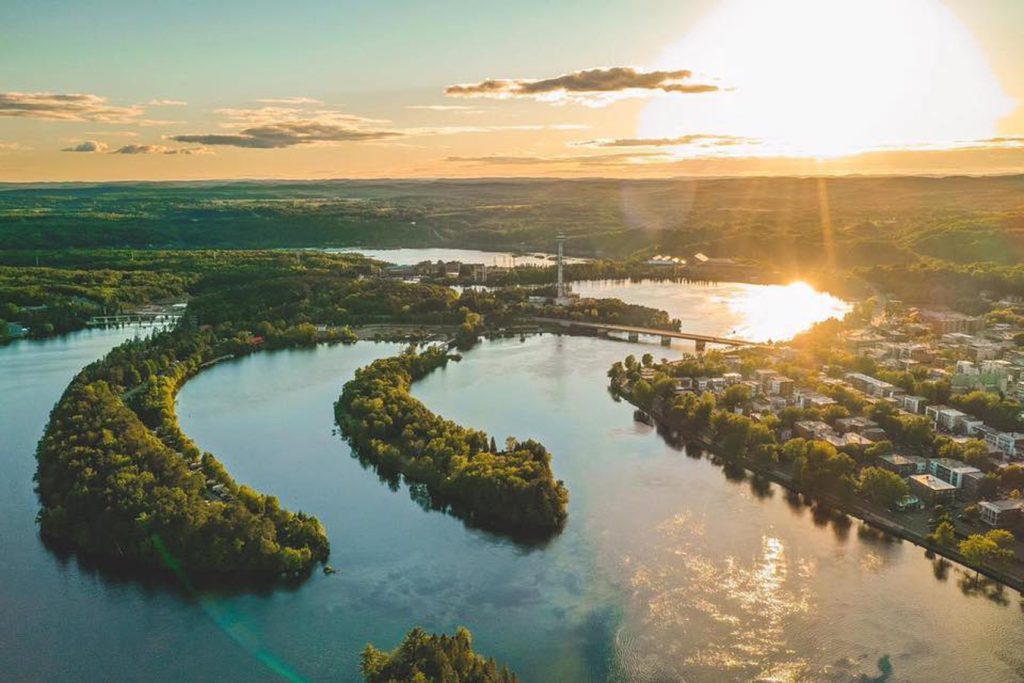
[{"x": 145, "y": 90}]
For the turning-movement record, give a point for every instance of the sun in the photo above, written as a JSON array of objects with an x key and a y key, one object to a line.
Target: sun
[{"x": 832, "y": 77}]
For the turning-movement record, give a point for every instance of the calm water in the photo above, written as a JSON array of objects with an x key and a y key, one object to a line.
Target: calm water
[
  {"x": 667, "y": 570},
  {"x": 410, "y": 257},
  {"x": 732, "y": 309}
]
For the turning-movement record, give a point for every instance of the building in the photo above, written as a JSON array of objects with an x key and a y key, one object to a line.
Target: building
[
  {"x": 970, "y": 487},
  {"x": 871, "y": 386},
  {"x": 1002, "y": 513},
  {"x": 1010, "y": 444},
  {"x": 944, "y": 417},
  {"x": 781, "y": 386},
  {"x": 949, "y": 470},
  {"x": 812, "y": 399},
  {"x": 945, "y": 322},
  {"x": 921, "y": 463},
  {"x": 931, "y": 489},
  {"x": 899, "y": 464},
  {"x": 912, "y": 404},
  {"x": 813, "y": 429}
]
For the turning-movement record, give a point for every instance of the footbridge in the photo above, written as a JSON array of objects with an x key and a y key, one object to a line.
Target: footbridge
[{"x": 666, "y": 336}]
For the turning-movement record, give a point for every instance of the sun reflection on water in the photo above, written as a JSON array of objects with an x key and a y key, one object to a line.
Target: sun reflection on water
[
  {"x": 742, "y": 605},
  {"x": 780, "y": 311}
]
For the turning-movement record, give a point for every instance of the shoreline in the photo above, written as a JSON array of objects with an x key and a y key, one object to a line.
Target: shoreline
[{"x": 868, "y": 517}]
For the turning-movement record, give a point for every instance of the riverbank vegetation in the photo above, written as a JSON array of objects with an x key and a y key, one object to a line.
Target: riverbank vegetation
[
  {"x": 118, "y": 479},
  {"x": 510, "y": 489},
  {"x": 432, "y": 657}
]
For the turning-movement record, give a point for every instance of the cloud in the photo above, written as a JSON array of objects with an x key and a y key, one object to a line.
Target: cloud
[
  {"x": 87, "y": 146},
  {"x": 458, "y": 130},
  {"x": 580, "y": 160},
  {"x": 289, "y": 100},
  {"x": 499, "y": 160},
  {"x": 65, "y": 107},
  {"x": 457, "y": 108},
  {"x": 599, "y": 85},
  {"x": 155, "y": 149},
  {"x": 698, "y": 139},
  {"x": 167, "y": 103},
  {"x": 288, "y": 134},
  {"x": 272, "y": 115}
]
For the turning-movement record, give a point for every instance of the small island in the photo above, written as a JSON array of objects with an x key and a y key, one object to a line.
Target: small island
[
  {"x": 432, "y": 657},
  {"x": 511, "y": 490}
]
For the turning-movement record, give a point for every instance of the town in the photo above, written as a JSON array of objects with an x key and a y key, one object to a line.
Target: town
[{"x": 915, "y": 415}]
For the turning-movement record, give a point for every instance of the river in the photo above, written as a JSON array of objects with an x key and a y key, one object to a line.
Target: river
[{"x": 667, "y": 569}]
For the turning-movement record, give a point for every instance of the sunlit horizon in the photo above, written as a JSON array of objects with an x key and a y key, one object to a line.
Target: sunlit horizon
[{"x": 700, "y": 88}]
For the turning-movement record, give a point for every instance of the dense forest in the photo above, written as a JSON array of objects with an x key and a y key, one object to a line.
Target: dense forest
[
  {"x": 118, "y": 479},
  {"x": 509, "y": 489},
  {"x": 422, "y": 658},
  {"x": 926, "y": 240},
  {"x": 768, "y": 219},
  {"x": 274, "y": 288}
]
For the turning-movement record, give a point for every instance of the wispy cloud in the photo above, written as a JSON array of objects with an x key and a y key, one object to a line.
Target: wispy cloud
[
  {"x": 459, "y": 130},
  {"x": 167, "y": 103},
  {"x": 594, "y": 86},
  {"x": 453, "y": 108},
  {"x": 155, "y": 149},
  {"x": 272, "y": 115},
  {"x": 66, "y": 107},
  {"x": 288, "y": 134},
  {"x": 619, "y": 158},
  {"x": 289, "y": 100},
  {"x": 87, "y": 146},
  {"x": 698, "y": 139}
]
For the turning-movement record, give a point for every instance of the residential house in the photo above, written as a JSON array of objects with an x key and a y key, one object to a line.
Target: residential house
[
  {"x": 931, "y": 489},
  {"x": 812, "y": 429},
  {"x": 1002, "y": 513},
  {"x": 899, "y": 464}
]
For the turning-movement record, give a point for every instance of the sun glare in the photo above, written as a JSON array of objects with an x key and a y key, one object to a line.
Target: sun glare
[
  {"x": 778, "y": 312},
  {"x": 832, "y": 77}
]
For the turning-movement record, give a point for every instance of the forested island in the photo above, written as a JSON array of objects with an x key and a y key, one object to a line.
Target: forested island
[
  {"x": 512, "y": 489},
  {"x": 432, "y": 657},
  {"x": 118, "y": 479}
]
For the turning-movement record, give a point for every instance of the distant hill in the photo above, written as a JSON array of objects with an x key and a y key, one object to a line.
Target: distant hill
[{"x": 797, "y": 223}]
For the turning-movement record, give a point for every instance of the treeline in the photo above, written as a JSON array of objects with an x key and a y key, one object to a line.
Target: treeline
[
  {"x": 118, "y": 479},
  {"x": 511, "y": 490},
  {"x": 439, "y": 658},
  {"x": 817, "y": 467}
]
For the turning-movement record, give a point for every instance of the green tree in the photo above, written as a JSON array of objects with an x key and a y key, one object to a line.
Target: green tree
[
  {"x": 735, "y": 396},
  {"x": 882, "y": 486},
  {"x": 988, "y": 549},
  {"x": 944, "y": 534},
  {"x": 432, "y": 659}
]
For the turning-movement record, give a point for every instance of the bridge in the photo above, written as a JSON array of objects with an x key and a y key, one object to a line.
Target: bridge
[
  {"x": 129, "y": 318},
  {"x": 701, "y": 340}
]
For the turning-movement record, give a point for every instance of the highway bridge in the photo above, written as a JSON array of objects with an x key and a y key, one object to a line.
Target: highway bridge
[{"x": 701, "y": 340}]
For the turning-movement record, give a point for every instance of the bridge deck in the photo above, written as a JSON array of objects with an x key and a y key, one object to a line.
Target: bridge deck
[{"x": 650, "y": 331}]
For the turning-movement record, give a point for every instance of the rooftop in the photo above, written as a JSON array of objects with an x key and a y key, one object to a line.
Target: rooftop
[{"x": 932, "y": 482}]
